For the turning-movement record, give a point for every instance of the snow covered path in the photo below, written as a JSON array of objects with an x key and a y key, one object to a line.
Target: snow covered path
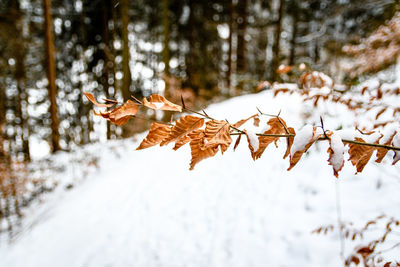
[{"x": 144, "y": 208}]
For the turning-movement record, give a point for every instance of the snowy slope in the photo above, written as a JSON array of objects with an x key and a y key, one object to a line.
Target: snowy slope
[{"x": 144, "y": 208}]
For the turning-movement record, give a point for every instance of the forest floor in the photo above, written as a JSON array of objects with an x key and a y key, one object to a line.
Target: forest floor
[{"x": 145, "y": 208}]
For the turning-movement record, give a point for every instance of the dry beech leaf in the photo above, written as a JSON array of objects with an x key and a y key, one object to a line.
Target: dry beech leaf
[
  {"x": 359, "y": 154},
  {"x": 159, "y": 102},
  {"x": 237, "y": 142},
  {"x": 296, "y": 156},
  {"x": 157, "y": 133},
  {"x": 252, "y": 140},
  {"x": 120, "y": 115},
  {"x": 128, "y": 109},
  {"x": 198, "y": 150},
  {"x": 277, "y": 126},
  {"x": 182, "y": 127},
  {"x": 217, "y": 134},
  {"x": 380, "y": 113},
  {"x": 289, "y": 142},
  {"x": 181, "y": 142},
  {"x": 381, "y": 152},
  {"x": 256, "y": 121},
  {"x": 241, "y": 122},
  {"x": 110, "y": 101},
  {"x": 107, "y": 115},
  {"x": 91, "y": 98},
  {"x": 336, "y": 153}
]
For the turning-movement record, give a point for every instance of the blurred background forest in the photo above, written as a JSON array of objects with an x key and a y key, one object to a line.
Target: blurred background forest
[{"x": 51, "y": 51}]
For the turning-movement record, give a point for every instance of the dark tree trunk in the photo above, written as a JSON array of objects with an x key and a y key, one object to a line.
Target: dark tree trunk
[
  {"x": 292, "y": 54},
  {"x": 241, "y": 21},
  {"x": 126, "y": 82},
  {"x": 165, "y": 22},
  {"x": 107, "y": 57},
  {"x": 229, "y": 63},
  {"x": 276, "y": 47},
  {"x": 51, "y": 76},
  {"x": 190, "y": 70}
]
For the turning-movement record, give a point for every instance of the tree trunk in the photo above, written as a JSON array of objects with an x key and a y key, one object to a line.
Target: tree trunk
[
  {"x": 191, "y": 69},
  {"x": 107, "y": 57},
  {"x": 276, "y": 47},
  {"x": 229, "y": 71},
  {"x": 292, "y": 54},
  {"x": 51, "y": 76},
  {"x": 241, "y": 33},
  {"x": 165, "y": 22},
  {"x": 126, "y": 82}
]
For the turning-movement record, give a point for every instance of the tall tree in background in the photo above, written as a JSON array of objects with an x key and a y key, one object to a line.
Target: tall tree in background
[
  {"x": 293, "y": 10},
  {"x": 230, "y": 48},
  {"x": 51, "y": 76},
  {"x": 241, "y": 21},
  {"x": 126, "y": 82},
  {"x": 166, "y": 35},
  {"x": 277, "y": 38}
]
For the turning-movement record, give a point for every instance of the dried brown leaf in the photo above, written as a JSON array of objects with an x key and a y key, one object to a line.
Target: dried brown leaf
[
  {"x": 277, "y": 126},
  {"x": 120, "y": 115},
  {"x": 198, "y": 150},
  {"x": 181, "y": 142},
  {"x": 107, "y": 115},
  {"x": 380, "y": 113},
  {"x": 128, "y": 109},
  {"x": 381, "y": 152},
  {"x": 217, "y": 134},
  {"x": 256, "y": 121},
  {"x": 237, "y": 142},
  {"x": 183, "y": 127},
  {"x": 359, "y": 154},
  {"x": 289, "y": 142},
  {"x": 241, "y": 122},
  {"x": 159, "y": 102},
  {"x": 157, "y": 133},
  {"x": 91, "y": 98},
  {"x": 332, "y": 161},
  {"x": 251, "y": 148},
  {"x": 297, "y": 155},
  {"x": 110, "y": 101}
]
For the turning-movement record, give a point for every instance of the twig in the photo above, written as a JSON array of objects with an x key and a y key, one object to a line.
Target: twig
[{"x": 324, "y": 138}]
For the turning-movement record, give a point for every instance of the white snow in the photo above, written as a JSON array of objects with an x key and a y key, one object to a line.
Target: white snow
[
  {"x": 144, "y": 208},
  {"x": 338, "y": 149},
  {"x": 302, "y": 138},
  {"x": 266, "y": 128},
  {"x": 387, "y": 134},
  {"x": 349, "y": 134},
  {"x": 158, "y": 104},
  {"x": 253, "y": 138}
]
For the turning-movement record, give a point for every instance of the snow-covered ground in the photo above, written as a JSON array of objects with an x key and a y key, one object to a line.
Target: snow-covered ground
[{"x": 145, "y": 208}]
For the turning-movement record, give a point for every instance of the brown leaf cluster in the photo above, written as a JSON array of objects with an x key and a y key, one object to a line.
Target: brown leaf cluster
[
  {"x": 207, "y": 137},
  {"x": 204, "y": 143},
  {"x": 120, "y": 115}
]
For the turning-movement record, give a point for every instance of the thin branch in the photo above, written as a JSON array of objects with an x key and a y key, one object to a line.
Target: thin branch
[{"x": 324, "y": 138}]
